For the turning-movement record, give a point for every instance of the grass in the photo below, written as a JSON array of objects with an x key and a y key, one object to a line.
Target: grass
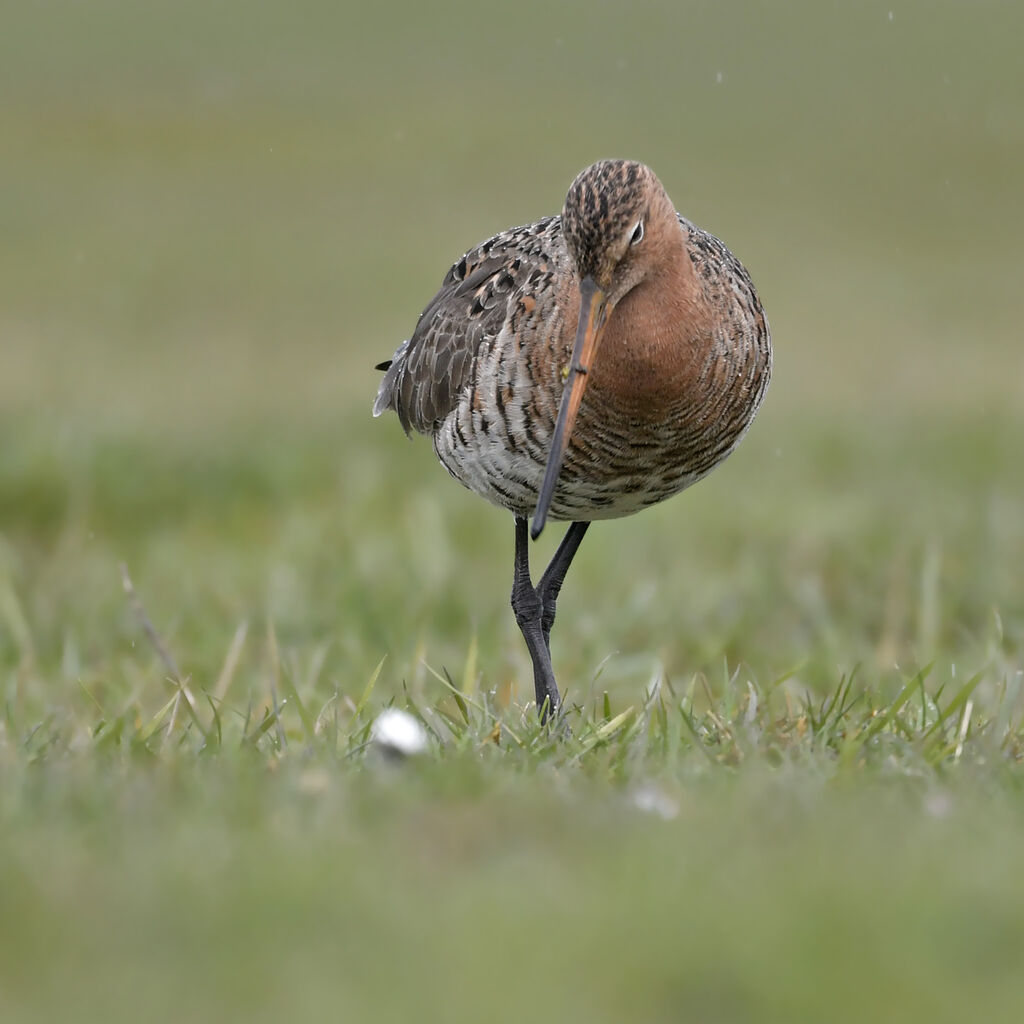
[{"x": 788, "y": 783}]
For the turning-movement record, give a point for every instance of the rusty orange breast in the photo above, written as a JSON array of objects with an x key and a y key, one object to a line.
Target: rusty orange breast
[{"x": 654, "y": 349}]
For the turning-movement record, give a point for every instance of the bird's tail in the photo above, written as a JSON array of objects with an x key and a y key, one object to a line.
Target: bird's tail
[{"x": 387, "y": 393}]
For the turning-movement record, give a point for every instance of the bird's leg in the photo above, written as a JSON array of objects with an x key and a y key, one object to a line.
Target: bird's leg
[
  {"x": 528, "y": 607},
  {"x": 551, "y": 582},
  {"x": 534, "y": 607}
]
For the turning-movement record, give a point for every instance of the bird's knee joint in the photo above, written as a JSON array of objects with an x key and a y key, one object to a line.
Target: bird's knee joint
[
  {"x": 547, "y": 618},
  {"x": 526, "y": 605}
]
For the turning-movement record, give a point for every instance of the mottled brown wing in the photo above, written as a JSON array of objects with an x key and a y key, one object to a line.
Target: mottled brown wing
[
  {"x": 729, "y": 285},
  {"x": 429, "y": 372}
]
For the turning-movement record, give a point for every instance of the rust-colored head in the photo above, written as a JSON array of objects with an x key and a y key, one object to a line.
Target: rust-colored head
[{"x": 619, "y": 226}]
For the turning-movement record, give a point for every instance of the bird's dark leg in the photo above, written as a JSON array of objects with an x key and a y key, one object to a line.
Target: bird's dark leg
[
  {"x": 528, "y": 607},
  {"x": 554, "y": 575},
  {"x": 534, "y": 607}
]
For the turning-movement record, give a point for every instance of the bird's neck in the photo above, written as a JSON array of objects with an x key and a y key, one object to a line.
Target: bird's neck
[{"x": 655, "y": 342}]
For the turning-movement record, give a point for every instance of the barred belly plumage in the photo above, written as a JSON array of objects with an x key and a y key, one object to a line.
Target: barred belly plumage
[{"x": 615, "y": 465}]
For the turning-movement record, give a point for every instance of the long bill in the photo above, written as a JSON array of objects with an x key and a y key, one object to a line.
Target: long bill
[{"x": 593, "y": 310}]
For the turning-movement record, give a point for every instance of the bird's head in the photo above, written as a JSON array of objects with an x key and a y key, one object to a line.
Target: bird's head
[
  {"x": 611, "y": 217},
  {"x": 619, "y": 226}
]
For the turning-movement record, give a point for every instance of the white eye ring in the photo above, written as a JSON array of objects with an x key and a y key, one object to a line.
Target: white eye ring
[{"x": 638, "y": 233}]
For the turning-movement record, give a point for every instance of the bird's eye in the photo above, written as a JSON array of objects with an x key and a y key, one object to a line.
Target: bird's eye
[{"x": 638, "y": 233}]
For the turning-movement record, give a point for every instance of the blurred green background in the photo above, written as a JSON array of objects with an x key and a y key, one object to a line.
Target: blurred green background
[{"x": 216, "y": 217}]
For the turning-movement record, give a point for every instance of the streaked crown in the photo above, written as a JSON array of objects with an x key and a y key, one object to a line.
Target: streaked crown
[{"x": 603, "y": 203}]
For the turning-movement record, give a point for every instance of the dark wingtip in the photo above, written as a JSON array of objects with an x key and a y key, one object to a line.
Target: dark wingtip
[{"x": 386, "y": 365}]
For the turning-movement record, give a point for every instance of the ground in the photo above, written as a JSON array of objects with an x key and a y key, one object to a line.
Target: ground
[{"x": 789, "y": 786}]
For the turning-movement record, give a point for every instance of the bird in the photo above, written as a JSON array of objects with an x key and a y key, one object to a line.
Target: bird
[{"x": 583, "y": 367}]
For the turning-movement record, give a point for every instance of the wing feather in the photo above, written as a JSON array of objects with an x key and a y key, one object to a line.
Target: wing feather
[{"x": 480, "y": 293}]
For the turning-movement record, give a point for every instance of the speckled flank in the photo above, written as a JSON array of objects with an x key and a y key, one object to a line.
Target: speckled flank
[{"x": 682, "y": 370}]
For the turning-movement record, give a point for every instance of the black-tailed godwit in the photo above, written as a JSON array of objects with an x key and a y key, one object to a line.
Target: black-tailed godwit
[{"x": 584, "y": 367}]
